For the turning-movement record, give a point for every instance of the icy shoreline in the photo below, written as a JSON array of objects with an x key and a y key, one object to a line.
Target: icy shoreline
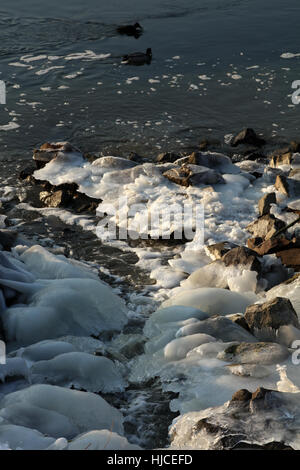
[{"x": 200, "y": 341}]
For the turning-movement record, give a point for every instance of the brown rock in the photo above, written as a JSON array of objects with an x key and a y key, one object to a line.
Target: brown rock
[
  {"x": 56, "y": 199},
  {"x": 272, "y": 314},
  {"x": 242, "y": 256},
  {"x": 290, "y": 258},
  {"x": 273, "y": 245},
  {"x": 265, "y": 226},
  {"x": 264, "y": 204},
  {"x": 282, "y": 185}
]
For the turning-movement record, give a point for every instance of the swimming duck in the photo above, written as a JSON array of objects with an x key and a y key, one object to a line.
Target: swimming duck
[
  {"x": 138, "y": 58},
  {"x": 131, "y": 30}
]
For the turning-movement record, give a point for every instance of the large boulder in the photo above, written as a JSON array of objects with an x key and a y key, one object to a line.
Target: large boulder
[{"x": 272, "y": 314}]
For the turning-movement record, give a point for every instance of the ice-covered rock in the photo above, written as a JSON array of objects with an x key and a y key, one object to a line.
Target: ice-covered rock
[
  {"x": 61, "y": 307},
  {"x": 80, "y": 370},
  {"x": 22, "y": 438},
  {"x": 59, "y": 412},
  {"x": 48, "y": 266},
  {"x": 265, "y": 419},
  {"x": 179, "y": 347},
  {"x": 43, "y": 350},
  {"x": 13, "y": 368},
  {"x": 212, "y": 300},
  {"x": 219, "y": 327}
]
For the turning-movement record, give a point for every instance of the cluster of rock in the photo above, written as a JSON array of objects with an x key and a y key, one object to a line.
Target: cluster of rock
[
  {"x": 249, "y": 421},
  {"x": 64, "y": 195}
]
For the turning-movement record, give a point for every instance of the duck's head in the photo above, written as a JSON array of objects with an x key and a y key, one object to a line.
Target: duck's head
[
  {"x": 149, "y": 52},
  {"x": 137, "y": 26}
]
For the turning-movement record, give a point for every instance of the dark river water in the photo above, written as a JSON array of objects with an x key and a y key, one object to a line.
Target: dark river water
[{"x": 218, "y": 65}]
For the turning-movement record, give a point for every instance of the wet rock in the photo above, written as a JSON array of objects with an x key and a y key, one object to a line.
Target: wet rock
[
  {"x": 264, "y": 204},
  {"x": 242, "y": 256},
  {"x": 290, "y": 258},
  {"x": 167, "y": 157},
  {"x": 265, "y": 226},
  {"x": 249, "y": 137},
  {"x": 49, "y": 151},
  {"x": 253, "y": 353},
  {"x": 271, "y": 315},
  {"x": 218, "y": 250},
  {"x": 192, "y": 175}
]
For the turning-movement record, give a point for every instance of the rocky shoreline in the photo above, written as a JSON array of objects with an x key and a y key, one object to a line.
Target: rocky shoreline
[{"x": 210, "y": 334}]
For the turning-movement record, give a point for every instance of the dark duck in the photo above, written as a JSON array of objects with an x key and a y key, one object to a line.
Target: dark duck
[
  {"x": 131, "y": 30},
  {"x": 138, "y": 58}
]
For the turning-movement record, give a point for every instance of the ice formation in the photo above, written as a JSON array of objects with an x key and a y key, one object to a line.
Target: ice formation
[{"x": 59, "y": 412}]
